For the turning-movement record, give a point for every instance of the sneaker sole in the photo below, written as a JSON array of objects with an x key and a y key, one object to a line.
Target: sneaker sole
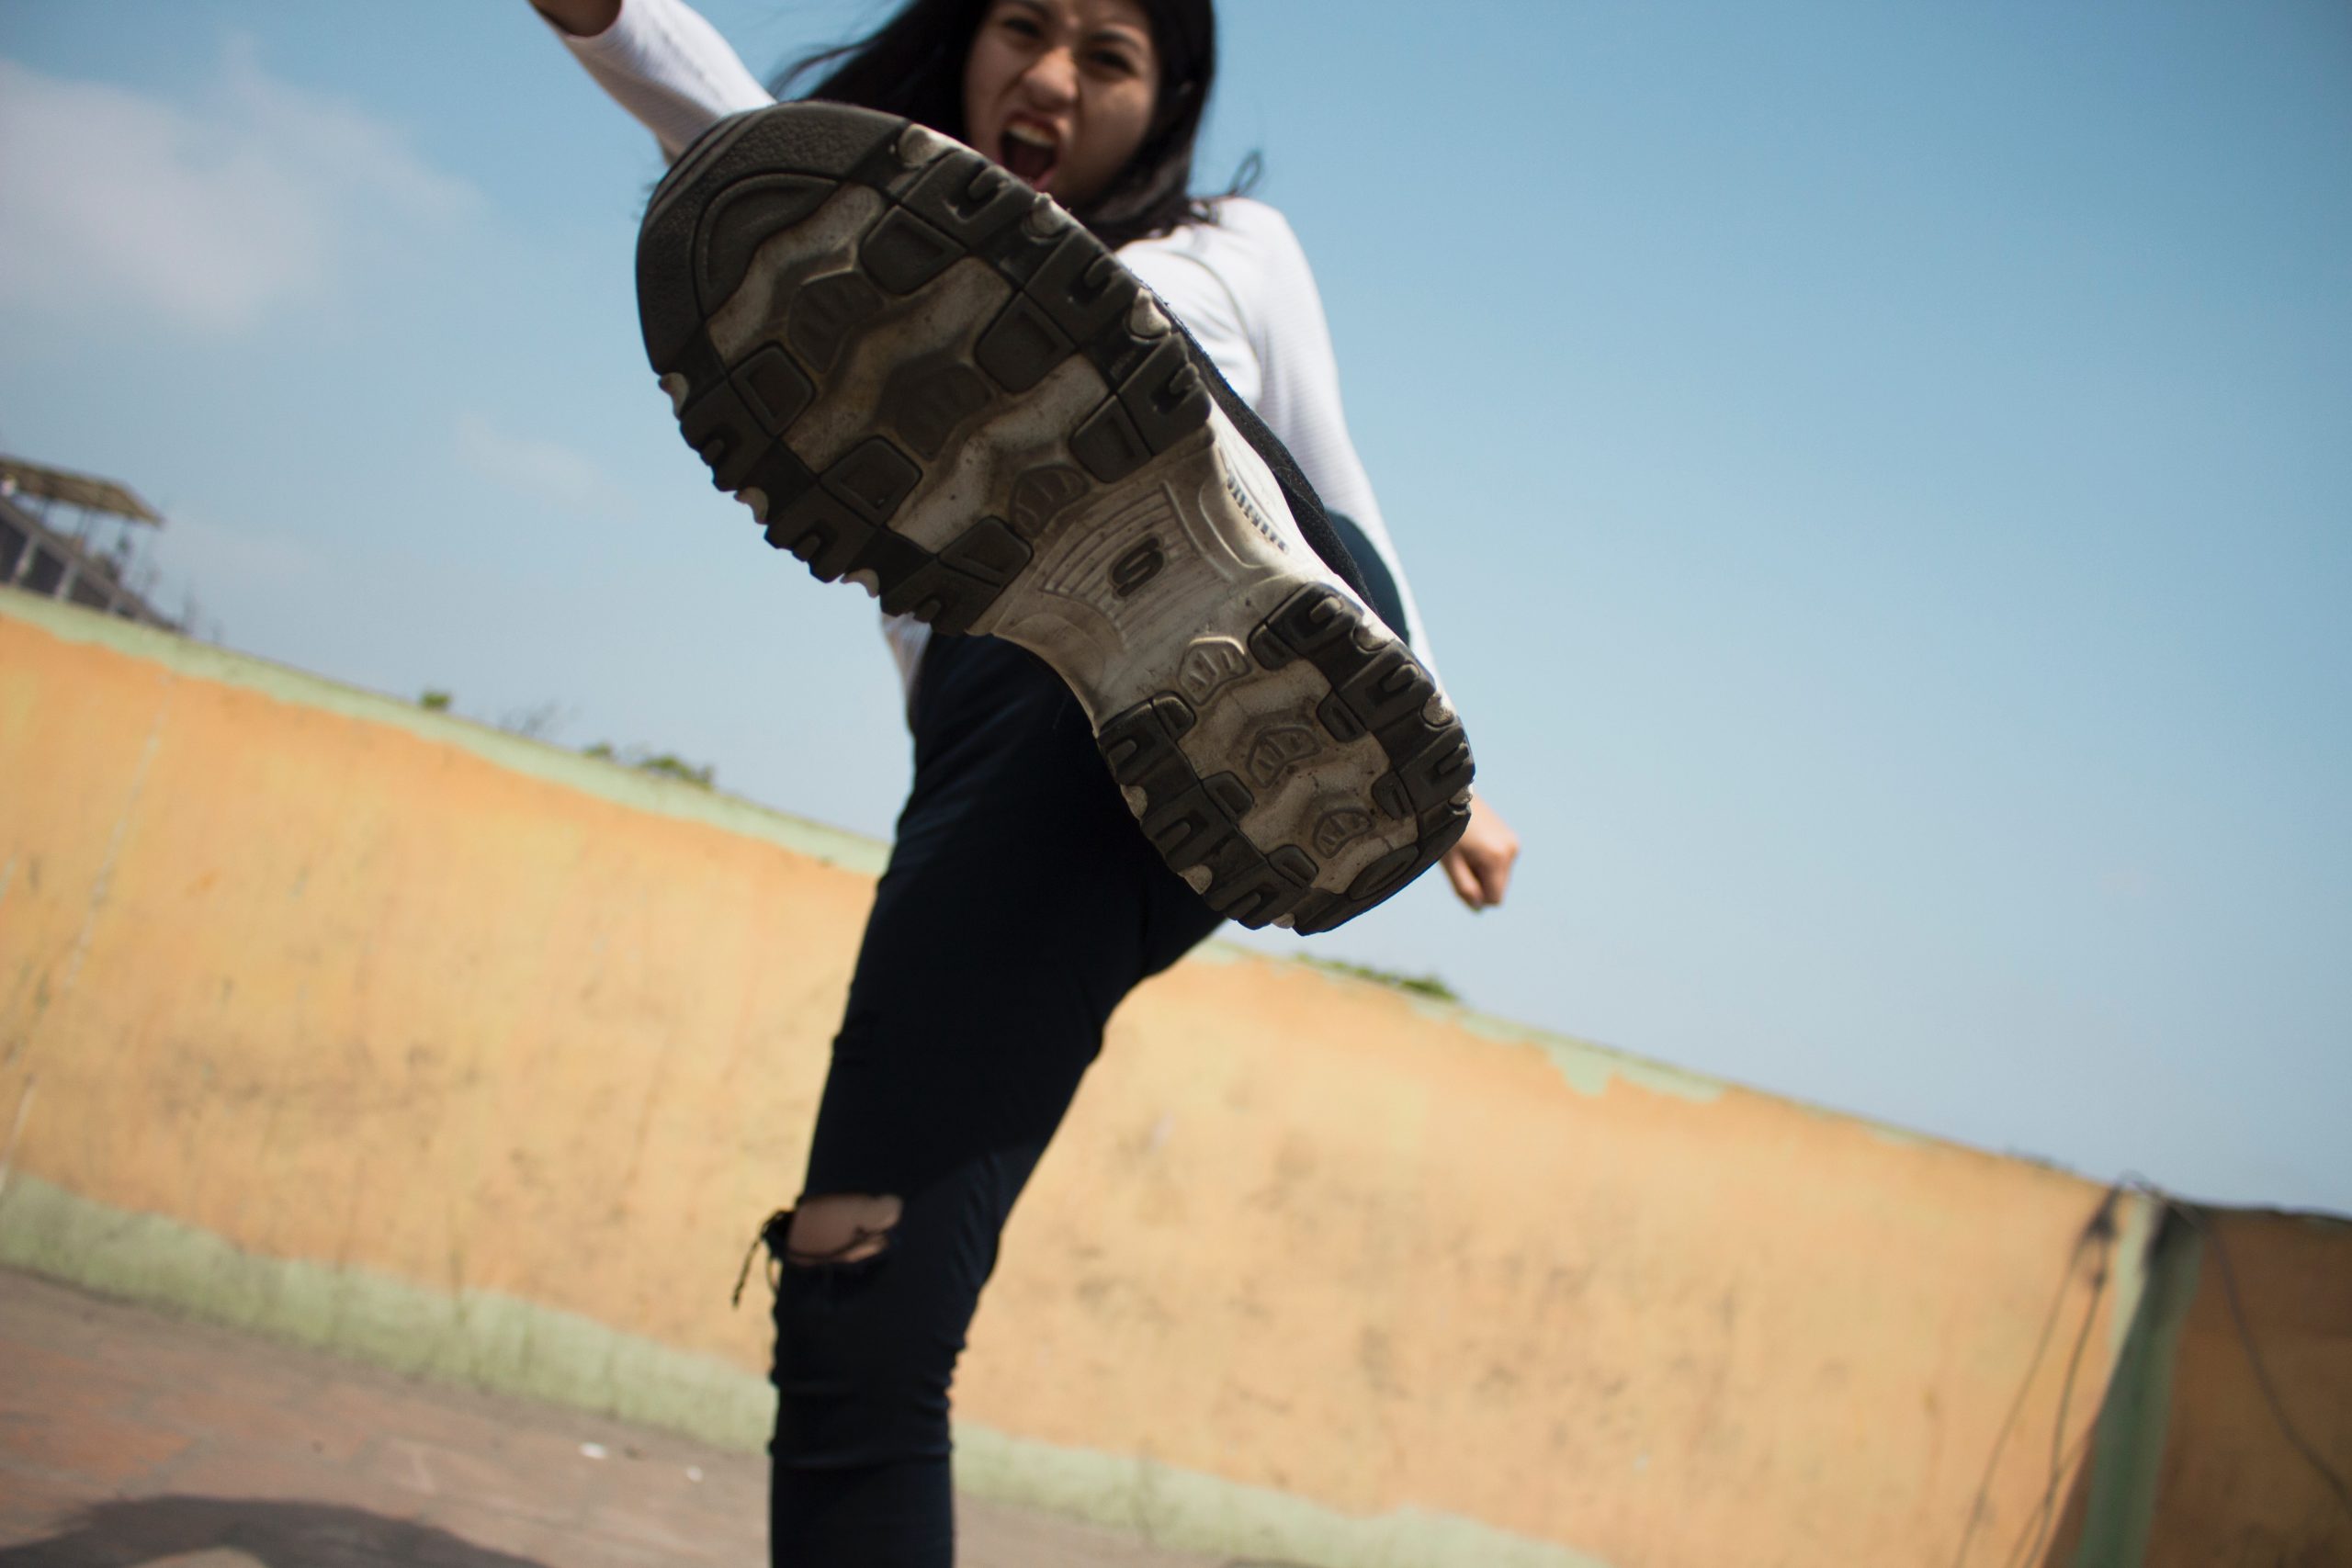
[{"x": 923, "y": 376}]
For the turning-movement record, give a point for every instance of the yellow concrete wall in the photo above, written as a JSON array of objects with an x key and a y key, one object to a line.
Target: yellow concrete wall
[{"x": 338, "y": 981}]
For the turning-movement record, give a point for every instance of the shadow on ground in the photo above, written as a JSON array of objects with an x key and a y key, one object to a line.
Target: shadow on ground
[{"x": 280, "y": 1535}]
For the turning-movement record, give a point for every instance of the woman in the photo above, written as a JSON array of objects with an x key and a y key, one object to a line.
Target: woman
[{"x": 928, "y": 380}]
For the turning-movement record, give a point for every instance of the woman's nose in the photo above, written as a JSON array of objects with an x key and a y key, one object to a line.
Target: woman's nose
[{"x": 1051, "y": 80}]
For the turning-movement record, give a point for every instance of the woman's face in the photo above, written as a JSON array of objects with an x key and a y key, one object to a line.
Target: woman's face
[{"x": 1061, "y": 92}]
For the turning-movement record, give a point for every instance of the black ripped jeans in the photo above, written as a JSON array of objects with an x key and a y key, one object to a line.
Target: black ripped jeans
[{"x": 1020, "y": 906}]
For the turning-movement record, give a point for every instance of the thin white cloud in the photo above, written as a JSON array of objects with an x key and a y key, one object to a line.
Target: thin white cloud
[
  {"x": 539, "y": 469},
  {"x": 115, "y": 203},
  {"x": 197, "y": 554}
]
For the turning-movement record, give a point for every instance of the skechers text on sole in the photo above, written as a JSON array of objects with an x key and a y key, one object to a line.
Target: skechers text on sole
[{"x": 923, "y": 376}]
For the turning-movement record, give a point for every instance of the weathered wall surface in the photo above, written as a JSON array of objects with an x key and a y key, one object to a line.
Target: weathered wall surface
[
  {"x": 2226, "y": 1437},
  {"x": 2255, "y": 1457},
  {"x": 390, "y": 1010}
]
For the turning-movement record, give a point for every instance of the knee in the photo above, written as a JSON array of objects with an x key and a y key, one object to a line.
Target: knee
[
  {"x": 859, "y": 1375},
  {"x": 841, "y": 1227}
]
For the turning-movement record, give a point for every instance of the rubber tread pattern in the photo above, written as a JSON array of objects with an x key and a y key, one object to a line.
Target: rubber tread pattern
[
  {"x": 772, "y": 389},
  {"x": 1196, "y": 822},
  {"x": 1074, "y": 297},
  {"x": 903, "y": 253},
  {"x": 757, "y": 174},
  {"x": 733, "y": 228}
]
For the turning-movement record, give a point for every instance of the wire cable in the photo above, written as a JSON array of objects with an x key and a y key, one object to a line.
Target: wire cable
[
  {"x": 2101, "y": 1227},
  {"x": 2062, "y": 1453}
]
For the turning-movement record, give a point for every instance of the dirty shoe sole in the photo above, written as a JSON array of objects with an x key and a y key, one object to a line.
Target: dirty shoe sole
[{"x": 926, "y": 378}]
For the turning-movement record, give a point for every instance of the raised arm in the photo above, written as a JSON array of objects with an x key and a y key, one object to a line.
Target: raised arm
[{"x": 660, "y": 61}]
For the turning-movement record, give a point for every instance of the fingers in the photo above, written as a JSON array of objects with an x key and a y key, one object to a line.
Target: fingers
[
  {"x": 1466, "y": 885},
  {"x": 1479, "y": 865},
  {"x": 1494, "y": 871}
]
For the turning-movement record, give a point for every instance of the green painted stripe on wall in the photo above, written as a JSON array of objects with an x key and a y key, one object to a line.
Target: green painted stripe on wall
[
  {"x": 2128, "y": 1447},
  {"x": 482, "y": 1339}
]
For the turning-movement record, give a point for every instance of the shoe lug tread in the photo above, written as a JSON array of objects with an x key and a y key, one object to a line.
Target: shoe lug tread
[
  {"x": 772, "y": 388},
  {"x": 872, "y": 478},
  {"x": 1108, "y": 444},
  {"x": 1023, "y": 345},
  {"x": 827, "y": 311},
  {"x": 782, "y": 478},
  {"x": 1042, "y": 494},
  {"x": 735, "y": 226},
  {"x": 902, "y": 252},
  {"x": 820, "y": 531},
  {"x": 1164, "y": 396},
  {"x": 965, "y": 197},
  {"x": 927, "y": 400},
  {"x": 989, "y": 552},
  {"x": 1082, "y": 286},
  {"x": 721, "y": 429},
  {"x": 1068, "y": 299}
]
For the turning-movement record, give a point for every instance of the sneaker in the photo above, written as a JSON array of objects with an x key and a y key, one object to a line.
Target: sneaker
[{"x": 925, "y": 377}]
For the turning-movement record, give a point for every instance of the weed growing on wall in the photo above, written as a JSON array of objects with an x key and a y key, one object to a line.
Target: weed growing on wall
[{"x": 1431, "y": 986}]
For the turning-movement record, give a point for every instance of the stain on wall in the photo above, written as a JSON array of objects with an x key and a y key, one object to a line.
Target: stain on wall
[{"x": 335, "y": 981}]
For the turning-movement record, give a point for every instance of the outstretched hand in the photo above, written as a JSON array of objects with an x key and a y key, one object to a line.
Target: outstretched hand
[{"x": 1479, "y": 865}]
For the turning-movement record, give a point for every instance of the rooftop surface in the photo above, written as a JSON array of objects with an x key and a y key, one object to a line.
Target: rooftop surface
[
  {"x": 86, "y": 490},
  {"x": 129, "y": 1437}
]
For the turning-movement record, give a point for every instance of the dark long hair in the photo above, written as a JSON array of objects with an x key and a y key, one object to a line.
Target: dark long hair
[{"x": 913, "y": 65}]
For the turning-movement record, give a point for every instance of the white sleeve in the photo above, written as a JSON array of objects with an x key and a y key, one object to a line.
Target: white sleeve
[
  {"x": 1241, "y": 285},
  {"x": 1199, "y": 298},
  {"x": 666, "y": 65},
  {"x": 670, "y": 68}
]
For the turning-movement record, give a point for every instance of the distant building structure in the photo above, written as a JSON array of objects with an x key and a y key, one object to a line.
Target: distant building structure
[{"x": 75, "y": 537}]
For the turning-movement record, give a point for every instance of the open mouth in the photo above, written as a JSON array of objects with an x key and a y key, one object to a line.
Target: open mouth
[{"x": 1032, "y": 152}]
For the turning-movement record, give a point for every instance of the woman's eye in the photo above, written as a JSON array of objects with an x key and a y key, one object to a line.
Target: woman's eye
[
  {"x": 1021, "y": 26},
  {"x": 1113, "y": 61}
]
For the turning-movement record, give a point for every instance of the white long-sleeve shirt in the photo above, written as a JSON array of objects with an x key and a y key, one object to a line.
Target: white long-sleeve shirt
[{"x": 1239, "y": 283}]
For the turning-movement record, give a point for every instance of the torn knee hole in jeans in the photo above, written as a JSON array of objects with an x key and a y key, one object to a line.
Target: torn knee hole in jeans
[{"x": 836, "y": 1231}]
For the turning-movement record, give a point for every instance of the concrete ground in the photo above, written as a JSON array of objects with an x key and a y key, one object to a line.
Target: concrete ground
[{"x": 130, "y": 1437}]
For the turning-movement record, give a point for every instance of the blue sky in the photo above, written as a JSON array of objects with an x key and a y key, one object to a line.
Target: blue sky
[{"x": 1880, "y": 479}]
